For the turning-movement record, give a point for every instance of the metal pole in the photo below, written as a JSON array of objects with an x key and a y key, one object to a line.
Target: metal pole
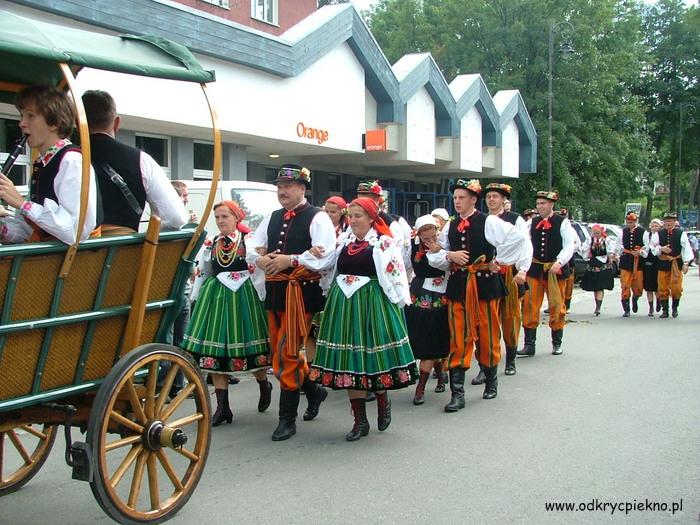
[
  {"x": 549, "y": 113},
  {"x": 678, "y": 168}
]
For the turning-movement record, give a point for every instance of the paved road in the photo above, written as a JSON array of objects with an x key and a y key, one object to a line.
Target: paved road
[{"x": 614, "y": 419}]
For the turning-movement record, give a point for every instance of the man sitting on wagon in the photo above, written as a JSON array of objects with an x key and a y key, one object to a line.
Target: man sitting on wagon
[
  {"x": 52, "y": 211},
  {"x": 127, "y": 176}
]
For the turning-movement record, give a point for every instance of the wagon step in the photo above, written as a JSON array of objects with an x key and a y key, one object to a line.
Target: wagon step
[{"x": 78, "y": 454}]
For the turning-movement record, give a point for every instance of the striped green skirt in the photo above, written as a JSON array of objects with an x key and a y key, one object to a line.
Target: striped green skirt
[
  {"x": 362, "y": 343},
  {"x": 227, "y": 332}
]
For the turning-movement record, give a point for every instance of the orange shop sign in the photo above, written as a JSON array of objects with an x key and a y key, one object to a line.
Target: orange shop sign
[
  {"x": 375, "y": 140},
  {"x": 319, "y": 135}
]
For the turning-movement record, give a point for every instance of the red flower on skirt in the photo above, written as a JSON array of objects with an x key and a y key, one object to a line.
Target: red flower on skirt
[
  {"x": 364, "y": 381},
  {"x": 386, "y": 380},
  {"x": 327, "y": 378},
  {"x": 403, "y": 376},
  {"x": 314, "y": 374},
  {"x": 239, "y": 364}
]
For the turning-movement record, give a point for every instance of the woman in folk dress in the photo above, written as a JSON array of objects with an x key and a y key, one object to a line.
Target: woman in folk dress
[
  {"x": 227, "y": 333},
  {"x": 362, "y": 342},
  {"x": 598, "y": 252}
]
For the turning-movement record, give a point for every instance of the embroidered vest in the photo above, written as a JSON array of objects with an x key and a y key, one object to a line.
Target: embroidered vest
[{"x": 631, "y": 240}]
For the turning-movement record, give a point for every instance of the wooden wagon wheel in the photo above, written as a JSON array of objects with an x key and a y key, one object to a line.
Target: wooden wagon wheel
[
  {"x": 162, "y": 444},
  {"x": 23, "y": 451}
]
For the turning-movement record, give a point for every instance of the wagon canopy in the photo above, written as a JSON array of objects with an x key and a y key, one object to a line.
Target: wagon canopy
[{"x": 30, "y": 51}]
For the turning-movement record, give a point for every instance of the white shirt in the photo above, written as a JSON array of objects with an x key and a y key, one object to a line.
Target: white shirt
[
  {"x": 686, "y": 249},
  {"x": 59, "y": 219},
  {"x": 585, "y": 249},
  {"x": 161, "y": 196},
  {"x": 322, "y": 234},
  {"x": 523, "y": 264}
]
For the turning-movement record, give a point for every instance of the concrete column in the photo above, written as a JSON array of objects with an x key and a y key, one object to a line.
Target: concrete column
[
  {"x": 234, "y": 162},
  {"x": 182, "y": 158}
]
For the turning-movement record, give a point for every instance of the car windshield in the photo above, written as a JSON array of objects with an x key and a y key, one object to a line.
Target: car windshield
[{"x": 256, "y": 204}]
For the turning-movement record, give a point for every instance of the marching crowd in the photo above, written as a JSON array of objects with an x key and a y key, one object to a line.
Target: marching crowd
[{"x": 347, "y": 297}]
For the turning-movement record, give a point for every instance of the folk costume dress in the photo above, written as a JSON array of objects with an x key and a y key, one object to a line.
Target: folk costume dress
[
  {"x": 228, "y": 329},
  {"x": 426, "y": 314},
  {"x": 651, "y": 262},
  {"x": 598, "y": 275},
  {"x": 362, "y": 342}
]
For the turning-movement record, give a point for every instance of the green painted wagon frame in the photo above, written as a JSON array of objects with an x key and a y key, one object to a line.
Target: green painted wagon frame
[{"x": 83, "y": 328}]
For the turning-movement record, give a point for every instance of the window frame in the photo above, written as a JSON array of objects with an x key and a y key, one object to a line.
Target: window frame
[
  {"x": 168, "y": 148},
  {"x": 273, "y": 6}
]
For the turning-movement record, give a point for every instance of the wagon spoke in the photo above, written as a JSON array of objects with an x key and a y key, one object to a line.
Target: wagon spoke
[
  {"x": 31, "y": 430},
  {"x": 136, "y": 480},
  {"x": 153, "y": 481},
  {"x": 169, "y": 470},
  {"x": 20, "y": 447},
  {"x": 122, "y": 443},
  {"x": 126, "y": 422},
  {"x": 151, "y": 389},
  {"x": 175, "y": 403},
  {"x": 125, "y": 464},
  {"x": 135, "y": 401},
  {"x": 166, "y": 386},
  {"x": 2, "y": 452},
  {"x": 186, "y": 420},
  {"x": 189, "y": 455}
]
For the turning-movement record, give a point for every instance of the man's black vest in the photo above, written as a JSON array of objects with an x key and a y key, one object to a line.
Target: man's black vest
[
  {"x": 41, "y": 185},
  {"x": 674, "y": 241},
  {"x": 631, "y": 240},
  {"x": 292, "y": 237},
  {"x": 546, "y": 245},
  {"x": 126, "y": 161},
  {"x": 473, "y": 239}
]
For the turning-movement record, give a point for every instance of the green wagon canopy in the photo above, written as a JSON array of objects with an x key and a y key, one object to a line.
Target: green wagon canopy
[{"x": 30, "y": 51}]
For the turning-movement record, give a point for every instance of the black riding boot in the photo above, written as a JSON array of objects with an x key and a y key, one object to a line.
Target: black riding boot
[
  {"x": 674, "y": 307},
  {"x": 265, "y": 394},
  {"x": 510, "y": 360},
  {"x": 361, "y": 426},
  {"x": 528, "y": 349},
  {"x": 626, "y": 307},
  {"x": 635, "y": 303},
  {"x": 491, "y": 388},
  {"x": 315, "y": 395},
  {"x": 598, "y": 304},
  {"x": 556, "y": 341},
  {"x": 651, "y": 309},
  {"x": 664, "y": 307},
  {"x": 287, "y": 427},
  {"x": 223, "y": 411},
  {"x": 480, "y": 378},
  {"x": 457, "y": 388}
]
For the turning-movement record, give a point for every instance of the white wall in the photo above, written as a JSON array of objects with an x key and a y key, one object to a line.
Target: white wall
[
  {"x": 370, "y": 111},
  {"x": 470, "y": 141},
  {"x": 420, "y": 128},
  {"x": 510, "y": 160}
]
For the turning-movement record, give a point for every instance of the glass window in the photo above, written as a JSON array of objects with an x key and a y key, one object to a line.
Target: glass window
[
  {"x": 203, "y": 156},
  {"x": 264, "y": 10},
  {"x": 219, "y": 3},
  {"x": 156, "y": 147},
  {"x": 334, "y": 183}
]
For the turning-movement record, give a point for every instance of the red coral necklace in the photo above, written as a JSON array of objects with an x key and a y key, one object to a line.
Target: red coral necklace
[{"x": 356, "y": 247}]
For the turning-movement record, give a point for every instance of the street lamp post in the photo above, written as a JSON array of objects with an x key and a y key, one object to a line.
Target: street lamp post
[{"x": 566, "y": 48}]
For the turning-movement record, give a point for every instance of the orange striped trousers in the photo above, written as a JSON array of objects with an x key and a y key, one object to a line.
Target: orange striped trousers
[
  {"x": 291, "y": 371},
  {"x": 632, "y": 282},
  {"x": 569, "y": 287},
  {"x": 669, "y": 286},
  {"x": 489, "y": 335},
  {"x": 532, "y": 303},
  {"x": 510, "y": 325}
]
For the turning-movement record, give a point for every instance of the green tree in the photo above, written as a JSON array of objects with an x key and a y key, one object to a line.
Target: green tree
[{"x": 600, "y": 146}]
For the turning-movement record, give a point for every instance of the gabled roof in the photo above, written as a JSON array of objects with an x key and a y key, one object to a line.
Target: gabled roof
[
  {"x": 510, "y": 106},
  {"x": 470, "y": 91}
]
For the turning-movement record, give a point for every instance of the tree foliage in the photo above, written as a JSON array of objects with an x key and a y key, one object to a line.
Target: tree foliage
[{"x": 603, "y": 146}]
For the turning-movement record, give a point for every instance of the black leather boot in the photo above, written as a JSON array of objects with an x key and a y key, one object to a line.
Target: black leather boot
[
  {"x": 287, "y": 427},
  {"x": 480, "y": 378},
  {"x": 491, "y": 388},
  {"x": 457, "y": 388},
  {"x": 510, "y": 360},
  {"x": 383, "y": 410},
  {"x": 658, "y": 304},
  {"x": 265, "y": 395},
  {"x": 528, "y": 349},
  {"x": 598, "y": 304},
  {"x": 635, "y": 303},
  {"x": 625, "y": 307},
  {"x": 674, "y": 307},
  {"x": 315, "y": 395},
  {"x": 556, "y": 341},
  {"x": 651, "y": 309},
  {"x": 664, "y": 308},
  {"x": 361, "y": 426},
  {"x": 419, "y": 397},
  {"x": 223, "y": 412}
]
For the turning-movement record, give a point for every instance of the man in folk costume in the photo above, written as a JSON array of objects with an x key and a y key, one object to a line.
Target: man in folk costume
[
  {"x": 474, "y": 245},
  {"x": 675, "y": 253},
  {"x": 629, "y": 249},
  {"x": 553, "y": 244},
  {"x": 569, "y": 286},
  {"x": 280, "y": 248},
  {"x": 497, "y": 196}
]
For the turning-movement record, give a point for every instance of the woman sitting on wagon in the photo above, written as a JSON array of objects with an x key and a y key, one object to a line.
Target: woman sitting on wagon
[
  {"x": 53, "y": 208},
  {"x": 228, "y": 329}
]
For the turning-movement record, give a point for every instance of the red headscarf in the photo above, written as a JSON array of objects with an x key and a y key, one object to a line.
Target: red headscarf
[
  {"x": 338, "y": 201},
  {"x": 372, "y": 209},
  {"x": 238, "y": 213}
]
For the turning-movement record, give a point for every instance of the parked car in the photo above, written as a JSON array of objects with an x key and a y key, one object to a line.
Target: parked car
[{"x": 579, "y": 263}]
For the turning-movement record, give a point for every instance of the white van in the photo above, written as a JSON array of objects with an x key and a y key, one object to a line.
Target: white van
[{"x": 256, "y": 199}]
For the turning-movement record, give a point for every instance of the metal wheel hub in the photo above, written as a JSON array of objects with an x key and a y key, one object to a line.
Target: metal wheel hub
[{"x": 157, "y": 435}]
